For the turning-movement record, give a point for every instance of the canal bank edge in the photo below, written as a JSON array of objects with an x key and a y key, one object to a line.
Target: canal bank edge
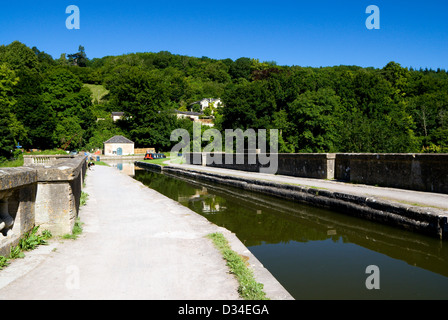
[
  {"x": 271, "y": 286},
  {"x": 429, "y": 221}
]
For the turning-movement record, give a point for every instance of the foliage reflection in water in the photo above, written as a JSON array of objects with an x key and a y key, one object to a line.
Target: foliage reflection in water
[{"x": 316, "y": 253}]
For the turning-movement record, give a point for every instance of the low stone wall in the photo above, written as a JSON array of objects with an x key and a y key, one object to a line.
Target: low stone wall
[
  {"x": 421, "y": 172},
  {"x": 229, "y": 161},
  {"x": 18, "y": 188},
  {"x": 310, "y": 165},
  {"x": 45, "y": 195},
  {"x": 45, "y": 160}
]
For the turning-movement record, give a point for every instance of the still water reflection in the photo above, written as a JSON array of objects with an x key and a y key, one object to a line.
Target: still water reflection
[{"x": 315, "y": 253}]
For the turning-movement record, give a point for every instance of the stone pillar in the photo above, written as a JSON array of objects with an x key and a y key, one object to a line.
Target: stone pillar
[{"x": 58, "y": 195}]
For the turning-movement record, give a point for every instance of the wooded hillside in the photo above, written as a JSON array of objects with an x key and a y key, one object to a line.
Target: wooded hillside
[{"x": 48, "y": 103}]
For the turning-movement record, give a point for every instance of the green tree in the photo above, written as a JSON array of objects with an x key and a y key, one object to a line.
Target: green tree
[
  {"x": 398, "y": 77},
  {"x": 65, "y": 94},
  {"x": 45, "y": 60},
  {"x": 11, "y": 130},
  {"x": 312, "y": 123},
  {"x": 217, "y": 71},
  {"x": 69, "y": 133},
  {"x": 342, "y": 108},
  {"x": 241, "y": 68},
  {"x": 248, "y": 105},
  {"x": 78, "y": 59},
  {"x": 375, "y": 117},
  {"x": 102, "y": 131},
  {"x": 429, "y": 112},
  {"x": 37, "y": 119},
  {"x": 144, "y": 98}
]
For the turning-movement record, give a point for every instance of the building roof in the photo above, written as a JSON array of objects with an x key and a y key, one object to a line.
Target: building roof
[
  {"x": 189, "y": 113},
  {"x": 119, "y": 139}
]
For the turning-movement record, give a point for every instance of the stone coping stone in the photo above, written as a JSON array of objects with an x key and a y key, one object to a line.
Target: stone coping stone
[
  {"x": 66, "y": 170},
  {"x": 394, "y": 156},
  {"x": 52, "y": 156},
  {"x": 11, "y": 178},
  {"x": 288, "y": 155}
]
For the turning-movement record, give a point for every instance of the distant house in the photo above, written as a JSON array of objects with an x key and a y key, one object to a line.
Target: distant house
[
  {"x": 118, "y": 146},
  {"x": 117, "y": 116},
  {"x": 195, "y": 117},
  {"x": 208, "y": 102}
]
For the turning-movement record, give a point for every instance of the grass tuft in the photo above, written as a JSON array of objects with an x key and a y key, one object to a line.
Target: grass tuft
[
  {"x": 249, "y": 288},
  {"x": 30, "y": 241},
  {"x": 77, "y": 230},
  {"x": 84, "y": 197}
]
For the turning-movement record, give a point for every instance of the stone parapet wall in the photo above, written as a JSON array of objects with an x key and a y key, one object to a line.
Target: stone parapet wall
[
  {"x": 18, "y": 188},
  {"x": 306, "y": 165},
  {"x": 195, "y": 158},
  {"x": 421, "y": 172},
  {"x": 44, "y": 195},
  {"x": 44, "y": 160}
]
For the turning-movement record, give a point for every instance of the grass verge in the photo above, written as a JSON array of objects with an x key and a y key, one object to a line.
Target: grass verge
[
  {"x": 249, "y": 288},
  {"x": 30, "y": 241},
  {"x": 18, "y": 162},
  {"x": 101, "y": 163},
  {"x": 12, "y": 163}
]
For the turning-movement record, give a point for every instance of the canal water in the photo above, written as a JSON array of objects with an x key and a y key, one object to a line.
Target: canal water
[{"x": 316, "y": 253}]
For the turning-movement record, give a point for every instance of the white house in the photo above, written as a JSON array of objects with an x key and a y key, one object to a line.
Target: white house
[
  {"x": 117, "y": 116},
  {"x": 208, "y": 102},
  {"x": 195, "y": 117}
]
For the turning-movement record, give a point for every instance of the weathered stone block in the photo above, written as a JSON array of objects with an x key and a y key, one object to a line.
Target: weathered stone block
[
  {"x": 307, "y": 165},
  {"x": 11, "y": 178},
  {"x": 55, "y": 209},
  {"x": 58, "y": 195}
]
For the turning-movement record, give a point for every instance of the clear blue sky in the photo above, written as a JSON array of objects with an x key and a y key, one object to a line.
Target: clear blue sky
[{"x": 306, "y": 33}]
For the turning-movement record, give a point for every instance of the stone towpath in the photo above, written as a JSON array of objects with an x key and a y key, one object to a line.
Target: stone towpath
[{"x": 136, "y": 244}]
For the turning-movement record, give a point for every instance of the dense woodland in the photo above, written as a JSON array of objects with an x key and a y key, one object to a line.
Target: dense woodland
[{"x": 48, "y": 103}]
